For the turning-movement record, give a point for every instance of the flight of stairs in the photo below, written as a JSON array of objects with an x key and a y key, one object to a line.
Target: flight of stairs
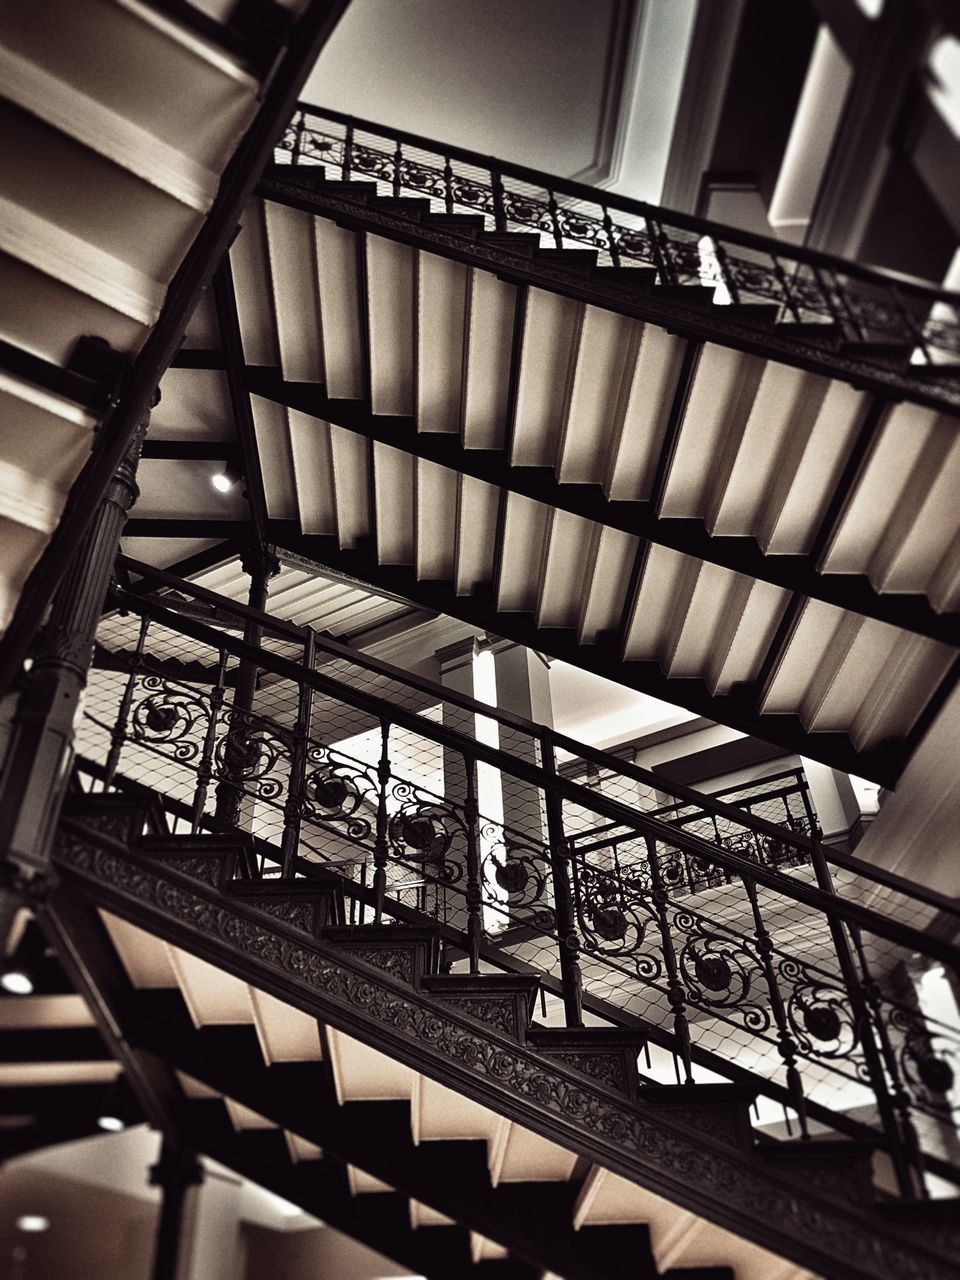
[
  {"x": 365, "y": 351},
  {"x": 220, "y": 1019},
  {"x": 118, "y": 120}
]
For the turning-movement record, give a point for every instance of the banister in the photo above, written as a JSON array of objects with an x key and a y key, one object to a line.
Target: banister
[
  {"x": 598, "y": 196},
  {"x": 830, "y": 905}
]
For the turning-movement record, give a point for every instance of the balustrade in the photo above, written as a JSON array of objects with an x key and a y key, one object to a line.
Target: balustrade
[{"x": 736, "y": 940}]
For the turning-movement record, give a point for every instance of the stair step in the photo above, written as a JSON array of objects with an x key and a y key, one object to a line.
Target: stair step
[
  {"x": 643, "y": 278},
  {"x": 465, "y": 222},
  {"x": 694, "y": 294},
  {"x": 525, "y": 242},
  {"x": 406, "y": 953},
  {"x": 306, "y": 905},
  {"x": 216, "y": 859},
  {"x": 579, "y": 259},
  {"x": 117, "y": 816},
  {"x": 841, "y": 1167},
  {"x": 719, "y": 1111},
  {"x": 607, "y": 1055},
  {"x": 504, "y": 1001},
  {"x": 412, "y": 206}
]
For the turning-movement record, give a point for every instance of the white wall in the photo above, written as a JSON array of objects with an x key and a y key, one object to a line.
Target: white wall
[{"x": 523, "y": 81}]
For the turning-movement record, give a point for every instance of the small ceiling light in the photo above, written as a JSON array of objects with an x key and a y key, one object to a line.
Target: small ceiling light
[
  {"x": 16, "y": 982},
  {"x": 32, "y": 1222},
  {"x": 111, "y": 1124},
  {"x": 224, "y": 479}
]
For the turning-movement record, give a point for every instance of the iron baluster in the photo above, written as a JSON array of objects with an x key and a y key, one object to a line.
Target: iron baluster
[
  {"x": 447, "y": 184},
  {"x": 675, "y": 992},
  {"x": 381, "y": 847},
  {"x": 726, "y": 275},
  {"x": 899, "y": 1152},
  {"x": 118, "y": 735},
  {"x": 397, "y": 166},
  {"x": 205, "y": 767},
  {"x": 785, "y": 1042},
  {"x": 293, "y": 807},
  {"x": 915, "y": 331},
  {"x": 347, "y": 153},
  {"x": 784, "y": 283},
  {"x": 298, "y": 129},
  {"x": 613, "y": 245},
  {"x": 659, "y": 243},
  {"x": 474, "y": 894},
  {"x": 901, "y": 1099},
  {"x": 499, "y": 201},
  {"x": 555, "y": 219},
  {"x": 563, "y": 903},
  {"x": 829, "y": 301}
]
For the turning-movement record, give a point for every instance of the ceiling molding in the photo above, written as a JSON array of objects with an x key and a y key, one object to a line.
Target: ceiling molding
[{"x": 617, "y": 94}]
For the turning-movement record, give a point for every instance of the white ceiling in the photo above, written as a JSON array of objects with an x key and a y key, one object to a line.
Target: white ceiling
[{"x": 524, "y": 80}]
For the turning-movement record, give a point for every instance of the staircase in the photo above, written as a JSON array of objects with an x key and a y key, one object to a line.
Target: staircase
[
  {"x": 120, "y": 119},
  {"x": 419, "y": 1069},
  {"x": 721, "y": 493},
  {"x": 700, "y": 926}
]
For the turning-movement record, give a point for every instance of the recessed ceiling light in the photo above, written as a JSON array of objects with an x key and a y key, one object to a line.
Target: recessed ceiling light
[
  {"x": 16, "y": 982},
  {"x": 112, "y": 1124},
  {"x": 32, "y": 1222},
  {"x": 221, "y": 482}
]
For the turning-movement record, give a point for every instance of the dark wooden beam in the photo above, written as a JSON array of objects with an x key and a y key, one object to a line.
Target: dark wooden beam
[
  {"x": 228, "y": 319},
  {"x": 743, "y": 555},
  {"x": 177, "y": 527},
  {"x": 191, "y": 450},
  {"x": 736, "y": 708},
  {"x": 199, "y": 358}
]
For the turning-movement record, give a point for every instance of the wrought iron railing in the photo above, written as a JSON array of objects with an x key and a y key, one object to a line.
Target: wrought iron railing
[
  {"x": 778, "y": 968},
  {"x": 781, "y": 798},
  {"x": 896, "y": 321}
]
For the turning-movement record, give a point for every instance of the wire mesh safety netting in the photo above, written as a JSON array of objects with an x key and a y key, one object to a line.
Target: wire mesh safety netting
[{"x": 705, "y": 917}]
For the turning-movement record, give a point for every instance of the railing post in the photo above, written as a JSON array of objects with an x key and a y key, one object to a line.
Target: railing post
[
  {"x": 785, "y": 1041},
  {"x": 899, "y": 1149},
  {"x": 347, "y": 163},
  {"x": 474, "y": 894},
  {"x": 298, "y": 137},
  {"x": 118, "y": 735},
  {"x": 447, "y": 184},
  {"x": 563, "y": 905},
  {"x": 675, "y": 993},
  {"x": 39, "y": 753},
  {"x": 293, "y": 809},
  {"x": 901, "y": 1099},
  {"x": 381, "y": 847},
  {"x": 613, "y": 248},
  {"x": 397, "y": 165},
  {"x": 261, "y": 565},
  {"x": 205, "y": 767},
  {"x": 555, "y": 219},
  {"x": 499, "y": 203}
]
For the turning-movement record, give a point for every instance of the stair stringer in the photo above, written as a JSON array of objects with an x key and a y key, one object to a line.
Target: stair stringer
[
  {"x": 292, "y": 186},
  {"x": 733, "y": 1188}
]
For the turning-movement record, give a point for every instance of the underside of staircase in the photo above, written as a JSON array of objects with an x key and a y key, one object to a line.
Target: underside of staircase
[
  {"x": 133, "y": 132},
  {"x": 704, "y": 499}
]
